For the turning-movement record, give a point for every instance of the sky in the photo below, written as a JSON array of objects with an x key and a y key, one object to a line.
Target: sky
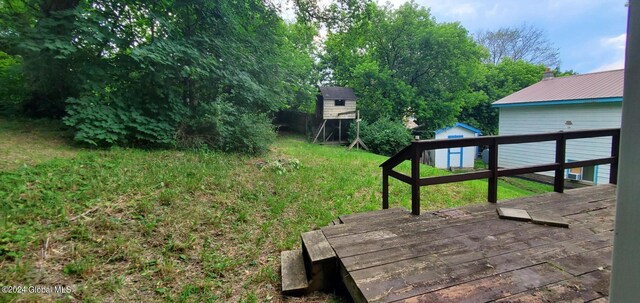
[{"x": 590, "y": 34}]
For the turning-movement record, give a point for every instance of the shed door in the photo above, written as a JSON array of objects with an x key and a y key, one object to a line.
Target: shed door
[{"x": 454, "y": 155}]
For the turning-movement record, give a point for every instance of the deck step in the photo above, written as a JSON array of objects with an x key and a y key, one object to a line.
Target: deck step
[
  {"x": 294, "y": 275},
  {"x": 320, "y": 260}
]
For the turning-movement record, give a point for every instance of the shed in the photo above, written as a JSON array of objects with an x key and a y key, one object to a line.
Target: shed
[
  {"x": 336, "y": 103},
  {"x": 578, "y": 102},
  {"x": 458, "y": 157}
]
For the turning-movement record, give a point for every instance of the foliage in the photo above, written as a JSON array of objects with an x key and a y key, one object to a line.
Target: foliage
[
  {"x": 524, "y": 42},
  {"x": 559, "y": 73},
  {"x": 281, "y": 166},
  {"x": 301, "y": 68},
  {"x": 497, "y": 81},
  {"x": 12, "y": 89},
  {"x": 139, "y": 73},
  {"x": 193, "y": 73},
  {"x": 401, "y": 62},
  {"x": 380, "y": 94},
  {"x": 226, "y": 129},
  {"x": 384, "y": 136}
]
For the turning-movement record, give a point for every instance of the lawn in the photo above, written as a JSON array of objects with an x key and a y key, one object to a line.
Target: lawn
[{"x": 129, "y": 225}]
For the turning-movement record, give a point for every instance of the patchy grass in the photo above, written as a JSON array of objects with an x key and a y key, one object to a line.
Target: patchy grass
[
  {"x": 180, "y": 226},
  {"x": 28, "y": 142}
]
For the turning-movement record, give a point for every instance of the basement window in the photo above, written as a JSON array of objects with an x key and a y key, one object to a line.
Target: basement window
[{"x": 339, "y": 102}]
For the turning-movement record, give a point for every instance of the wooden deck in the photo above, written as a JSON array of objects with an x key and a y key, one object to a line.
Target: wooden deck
[{"x": 470, "y": 255}]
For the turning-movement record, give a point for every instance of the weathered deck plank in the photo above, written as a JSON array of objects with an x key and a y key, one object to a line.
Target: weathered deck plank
[
  {"x": 495, "y": 286},
  {"x": 405, "y": 279},
  {"x": 470, "y": 255},
  {"x": 372, "y": 215},
  {"x": 585, "y": 288}
]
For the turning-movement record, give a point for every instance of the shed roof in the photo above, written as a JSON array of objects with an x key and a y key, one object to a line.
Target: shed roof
[
  {"x": 594, "y": 87},
  {"x": 335, "y": 92},
  {"x": 462, "y": 125}
]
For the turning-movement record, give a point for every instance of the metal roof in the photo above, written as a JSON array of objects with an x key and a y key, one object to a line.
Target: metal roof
[
  {"x": 334, "y": 92},
  {"x": 458, "y": 124},
  {"x": 595, "y": 87}
]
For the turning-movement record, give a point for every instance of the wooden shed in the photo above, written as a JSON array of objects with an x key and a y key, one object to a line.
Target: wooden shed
[
  {"x": 336, "y": 103},
  {"x": 459, "y": 157}
]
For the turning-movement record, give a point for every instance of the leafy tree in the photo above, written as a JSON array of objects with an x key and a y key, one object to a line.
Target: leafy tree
[
  {"x": 38, "y": 31},
  {"x": 497, "y": 81},
  {"x": 303, "y": 75},
  {"x": 525, "y": 42},
  {"x": 162, "y": 72},
  {"x": 558, "y": 73},
  {"x": 400, "y": 61},
  {"x": 12, "y": 88},
  {"x": 384, "y": 136}
]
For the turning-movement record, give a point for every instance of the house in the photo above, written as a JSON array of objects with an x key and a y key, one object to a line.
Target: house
[
  {"x": 460, "y": 157},
  {"x": 577, "y": 102}
]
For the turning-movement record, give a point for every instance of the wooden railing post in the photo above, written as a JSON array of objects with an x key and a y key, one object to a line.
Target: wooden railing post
[
  {"x": 385, "y": 188},
  {"x": 492, "y": 192},
  {"x": 414, "y": 151},
  {"x": 415, "y": 179},
  {"x": 615, "y": 153},
  {"x": 558, "y": 180}
]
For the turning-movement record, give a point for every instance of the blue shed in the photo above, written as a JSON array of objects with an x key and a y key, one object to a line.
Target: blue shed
[{"x": 457, "y": 157}]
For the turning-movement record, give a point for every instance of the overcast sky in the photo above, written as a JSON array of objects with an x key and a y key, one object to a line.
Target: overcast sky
[{"x": 590, "y": 33}]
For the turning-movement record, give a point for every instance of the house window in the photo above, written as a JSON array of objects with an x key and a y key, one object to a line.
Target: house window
[
  {"x": 587, "y": 173},
  {"x": 339, "y": 102},
  {"x": 576, "y": 171}
]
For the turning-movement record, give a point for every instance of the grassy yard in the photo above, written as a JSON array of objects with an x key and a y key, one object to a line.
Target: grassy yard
[{"x": 122, "y": 225}]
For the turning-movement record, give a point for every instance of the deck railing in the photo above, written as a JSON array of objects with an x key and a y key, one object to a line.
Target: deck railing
[{"x": 417, "y": 147}]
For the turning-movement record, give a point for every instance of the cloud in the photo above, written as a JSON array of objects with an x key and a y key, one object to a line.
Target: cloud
[
  {"x": 463, "y": 10},
  {"x": 617, "y": 42},
  {"x": 453, "y": 10},
  {"x": 617, "y": 64},
  {"x": 615, "y": 46}
]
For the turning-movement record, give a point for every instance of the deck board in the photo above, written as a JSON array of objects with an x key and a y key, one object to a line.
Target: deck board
[{"x": 470, "y": 255}]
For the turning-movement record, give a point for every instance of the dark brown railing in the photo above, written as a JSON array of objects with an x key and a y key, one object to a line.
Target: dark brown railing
[{"x": 415, "y": 150}]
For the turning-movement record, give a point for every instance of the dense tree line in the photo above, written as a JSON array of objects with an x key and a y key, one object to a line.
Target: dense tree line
[
  {"x": 401, "y": 62},
  {"x": 196, "y": 73},
  {"x": 159, "y": 72}
]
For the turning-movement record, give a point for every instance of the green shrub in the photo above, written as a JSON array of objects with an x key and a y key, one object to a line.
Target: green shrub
[
  {"x": 384, "y": 137},
  {"x": 108, "y": 119},
  {"x": 12, "y": 86},
  {"x": 222, "y": 126}
]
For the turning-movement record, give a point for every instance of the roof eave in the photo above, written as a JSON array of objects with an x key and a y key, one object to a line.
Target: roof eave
[
  {"x": 462, "y": 125},
  {"x": 559, "y": 102}
]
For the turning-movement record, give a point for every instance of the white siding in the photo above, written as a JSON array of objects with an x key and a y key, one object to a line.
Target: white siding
[
  {"x": 553, "y": 118},
  {"x": 468, "y": 153},
  {"x": 331, "y": 111}
]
